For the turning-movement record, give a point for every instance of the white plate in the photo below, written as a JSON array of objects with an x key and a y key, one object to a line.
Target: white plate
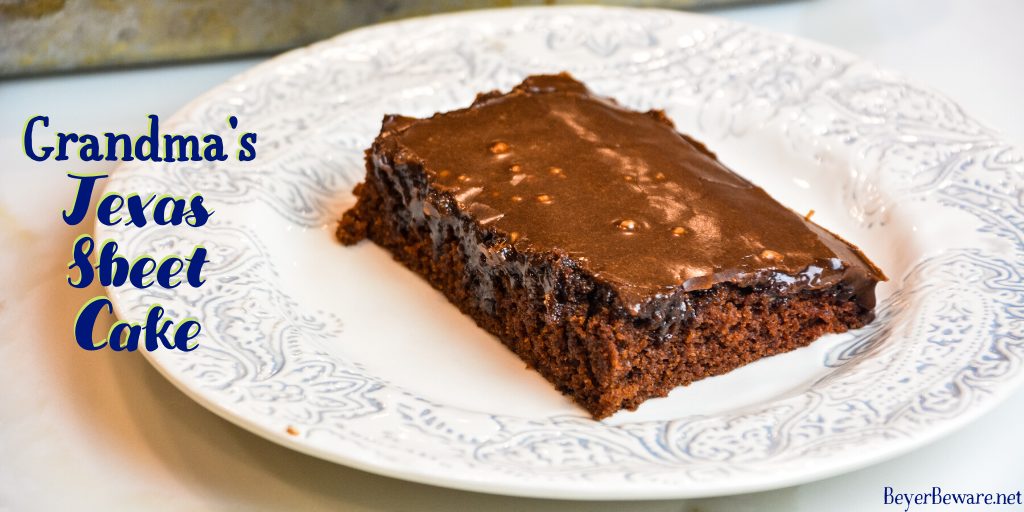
[{"x": 343, "y": 354}]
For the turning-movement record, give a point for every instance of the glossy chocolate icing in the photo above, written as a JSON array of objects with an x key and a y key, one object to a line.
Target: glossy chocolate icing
[{"x": 551, "y": 167}]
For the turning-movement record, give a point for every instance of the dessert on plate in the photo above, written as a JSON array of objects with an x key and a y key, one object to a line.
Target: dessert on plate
[{"x": 614, "y": 255}]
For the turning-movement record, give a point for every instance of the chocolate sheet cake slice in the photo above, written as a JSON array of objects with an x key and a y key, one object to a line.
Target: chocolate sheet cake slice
[{"x": 615, "y": 256}]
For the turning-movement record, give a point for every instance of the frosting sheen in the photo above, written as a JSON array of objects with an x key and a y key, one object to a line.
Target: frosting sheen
[{"x": 634, "y": 202}]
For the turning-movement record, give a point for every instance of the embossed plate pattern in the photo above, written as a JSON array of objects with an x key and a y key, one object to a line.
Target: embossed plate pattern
[{"x": 342, "y": 354}]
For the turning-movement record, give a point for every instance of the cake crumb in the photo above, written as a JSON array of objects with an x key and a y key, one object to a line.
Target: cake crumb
[{"x": 499, "y": 148}]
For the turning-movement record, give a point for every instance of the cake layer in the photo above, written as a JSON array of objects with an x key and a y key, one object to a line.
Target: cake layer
[
  {"x": 570, "y": 327},
  {"x": 615, "y": 256}
]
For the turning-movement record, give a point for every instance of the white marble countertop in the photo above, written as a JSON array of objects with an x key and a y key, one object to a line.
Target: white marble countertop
[{"x": 102, "y": 430}]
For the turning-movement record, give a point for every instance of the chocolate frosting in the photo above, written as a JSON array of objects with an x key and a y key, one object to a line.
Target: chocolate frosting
[{"x": 650, "y": 211}]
